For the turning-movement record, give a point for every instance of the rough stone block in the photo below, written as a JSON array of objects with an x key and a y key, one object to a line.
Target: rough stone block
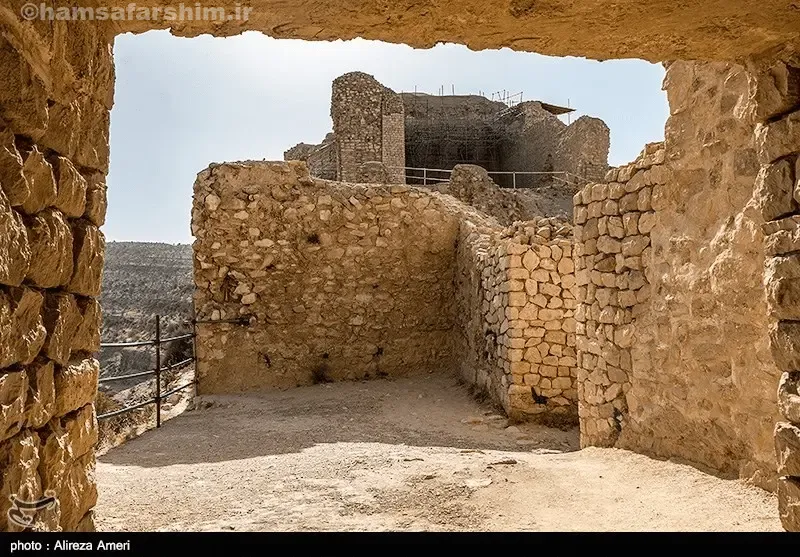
[
  {"x": 784, "y": 341},
  {"x": 774, "y": 190},
  {"x": 67, "y": 463},
  {"x": 41, "y": 399},
  {"x": 15, "y": 251},
  {"x": 779, "y": 138},
  {"x": 22, "y": 331},
  {"x": 787, "y": 449},
  {"x": 76, "y": 385},
  {"x": 13, "y": 391},
  {"x": 774, "y": 89},
  {"x": 19, "y": 461},
  {"x": 41, "y": 182},
  {"x": 62, "y": 318},
  {"x": 789, "y": 503},
  {"x": 607, "y": 244},
  {"x": 12, "y": 179},
  {"x": 51, "y": 240},
  {"x": 71, "y": 197},
  {"x": 89, "y": 251},
  {"x": 783, "y": 298},
  {"x": 96, "y": 199},
  {"x": 78, "y": 492},
  {"x": 87, "y": 336},
  {"x": 23, "y": 95},
  {"x": 788, "y": 396}
]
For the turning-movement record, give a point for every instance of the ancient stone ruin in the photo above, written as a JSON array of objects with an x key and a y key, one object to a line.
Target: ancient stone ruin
[
  {"x": 412, "y": 131},
  {"x": 665, "y": 316}
]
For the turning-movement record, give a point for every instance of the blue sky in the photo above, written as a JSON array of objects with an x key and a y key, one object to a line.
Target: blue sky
[{"x": 181, "y": 104}]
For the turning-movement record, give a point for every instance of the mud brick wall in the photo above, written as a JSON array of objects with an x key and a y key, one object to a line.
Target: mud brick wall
[
  {"x": 54, "y": 101},
  {"x": 339, "y": 281},
  {"x": 516, "y": 317},
  {"x": 368, "y": 124},
  {"x": 775, "y": 95}
]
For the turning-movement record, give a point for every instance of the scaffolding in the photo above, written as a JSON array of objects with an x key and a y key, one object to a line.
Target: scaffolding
[{"x": 441, "y": 133}]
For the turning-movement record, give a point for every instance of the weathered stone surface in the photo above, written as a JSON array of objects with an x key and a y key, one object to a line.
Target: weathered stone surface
[
  {"x": 783, "y": 236},
  {"x": 514, "y": 287},
  {"x": 71, "y": 197},
  {"x": 774, "y": 190},
  {"x": 62, "y": 317},
  {"x": 774, "y": 89},
  {"x": 19, "y": 461},
  {"x": 41, "y": 182},
  {"x": 778, "y": 139},
  {"x": 79, "y": 491},
  {"x": 86, "y": 524},
  {"x": 787, "y": 449},
  {"x": 789, "y": 503},
  {"x": 15, "y": 251},
  {"x": 89, "y": 249},
  {"x": 67, "y": 464},
  {"x": 22, "y": 331},
  {"x": 41, "y": 400},
  {"x": 96, "y": 199},
  {"x": 87, "y": 336},
  {"x": 12, "y": 179},
  {"x": 783, "y": 298},
  {"x": 13, "y": 391},
  {"x": 51, "y": 242},
  {"x": 784, "y": 342},
  {"x": 76, "y": 385},
  {"x": 788, "y": 396}
]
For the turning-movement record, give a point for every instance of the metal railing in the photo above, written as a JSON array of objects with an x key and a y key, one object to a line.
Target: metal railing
[
  {"x": 434, "y": 175},
  {"x": 157, "y": 342}
]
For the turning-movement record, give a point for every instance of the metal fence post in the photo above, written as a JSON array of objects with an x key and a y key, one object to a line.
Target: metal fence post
[
  {"x": 158, "y": 371},
  {"x": 514, "y": 180}
]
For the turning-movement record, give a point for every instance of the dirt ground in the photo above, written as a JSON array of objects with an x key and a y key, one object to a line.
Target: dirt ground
[{"x": 408, "y": 454}]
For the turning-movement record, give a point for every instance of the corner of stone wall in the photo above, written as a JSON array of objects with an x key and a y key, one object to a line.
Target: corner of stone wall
[
  {"x": 613, "y": 221},
  {"x": 516, "y": 290},
  {"x": 775, "y": 101},
  {"x": 54, "y": 113}
]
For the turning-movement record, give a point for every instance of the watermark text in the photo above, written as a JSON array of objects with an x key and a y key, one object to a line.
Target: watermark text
[{"x": 133, "y": 12}]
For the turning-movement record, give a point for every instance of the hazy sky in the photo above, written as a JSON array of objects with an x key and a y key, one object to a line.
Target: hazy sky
[{"x": 181, "y": 104}]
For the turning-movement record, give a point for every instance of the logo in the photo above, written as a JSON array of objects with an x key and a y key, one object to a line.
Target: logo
[{"x": 23, "y": 512}]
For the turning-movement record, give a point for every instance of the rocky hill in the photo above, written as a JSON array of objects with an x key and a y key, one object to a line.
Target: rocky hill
[{"x": 141, "y": 280}]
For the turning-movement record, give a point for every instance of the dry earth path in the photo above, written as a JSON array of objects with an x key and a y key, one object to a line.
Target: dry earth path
[{"x": 409, "y": 454}]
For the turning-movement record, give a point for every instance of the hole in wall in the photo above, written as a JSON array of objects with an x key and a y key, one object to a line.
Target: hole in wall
[
  {"x": 320, "y": 374},
  {"x": 537, "y": 398}
]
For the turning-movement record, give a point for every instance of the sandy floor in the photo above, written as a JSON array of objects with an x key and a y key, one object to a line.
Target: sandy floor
[{"x": 410, "y": 454}]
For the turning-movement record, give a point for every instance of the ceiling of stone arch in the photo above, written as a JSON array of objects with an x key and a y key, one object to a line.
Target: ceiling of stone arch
[{"x": 654, "y": 30}]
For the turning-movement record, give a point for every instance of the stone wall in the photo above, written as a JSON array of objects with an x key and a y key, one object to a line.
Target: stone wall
[
  {"x": 775, "y": 102},
  {"x": 374, "y": 124},
  {"x": 322, "y": 159},
  {"x": 516, "y": 307},
  {"x": 472, "y": 185},
  {"x": 613, "y": 222},
  {"x": 367, "y": 121},
  {"x": 54, "y": 102},
  {"x": 338, "y": 281},
  {"x": 582, "y": 149},
  {"x": 695, "y": 380}
]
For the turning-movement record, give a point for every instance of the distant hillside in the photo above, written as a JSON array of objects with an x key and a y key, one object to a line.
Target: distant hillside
[{"x": 141, "y": 280}]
